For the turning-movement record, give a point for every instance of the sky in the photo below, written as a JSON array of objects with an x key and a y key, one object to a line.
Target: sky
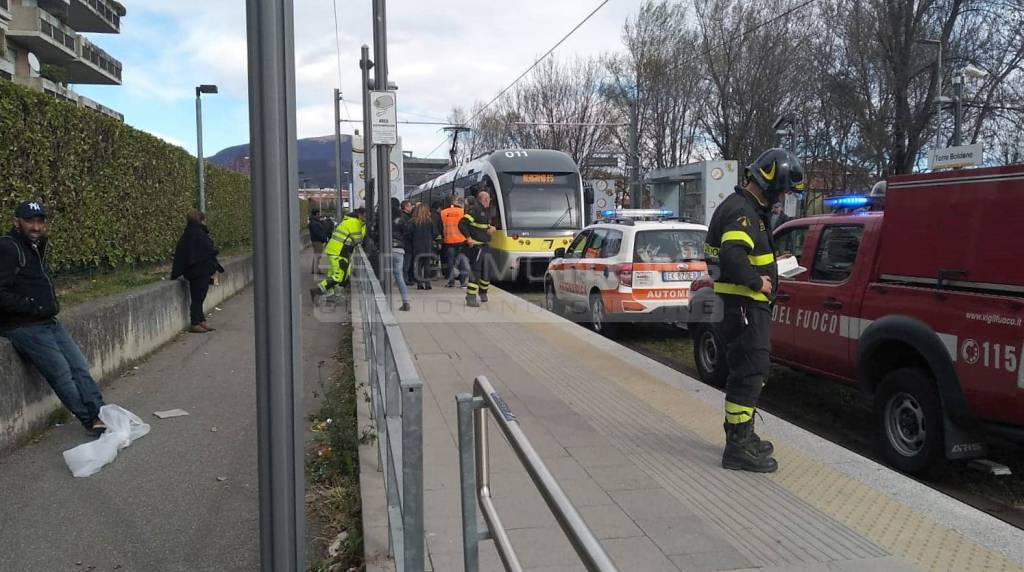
[{"x": 442, "y": 53}]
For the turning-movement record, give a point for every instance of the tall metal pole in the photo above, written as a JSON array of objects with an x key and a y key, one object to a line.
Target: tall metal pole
[
  {"x": 938, "y": 97},
  {"x": 275, "y": 214},
  {"x": 337, "y": 147},
  {"x": 958, "y": 109},
  {"x": 380, "y": 60},
  {"x": 200, "y": 175},
  {"x": 366, "y": 64},
  {"x": 634, "y": 150}
]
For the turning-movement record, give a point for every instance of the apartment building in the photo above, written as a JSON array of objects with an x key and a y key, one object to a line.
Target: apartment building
[{"x": 42, "y": 46}]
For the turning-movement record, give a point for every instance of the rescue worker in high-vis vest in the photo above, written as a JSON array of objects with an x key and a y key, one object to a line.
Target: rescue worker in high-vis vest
[
  {"x": 476, "y": 228},
  {"x": 453, "y": 242},
  {"x": 741, "y": 259},
  {"x": 339, "y": 251}
]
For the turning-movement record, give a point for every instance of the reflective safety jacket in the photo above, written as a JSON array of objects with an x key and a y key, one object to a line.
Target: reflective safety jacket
[
  {"x": 474, "y": 224},
  {"x": 349, "y": 233},
  {"x": 739, "y": 249},
  {"x": 450, "y": 218}
]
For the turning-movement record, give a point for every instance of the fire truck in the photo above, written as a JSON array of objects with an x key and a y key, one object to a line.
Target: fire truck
[{"x": 919, "y": 304}]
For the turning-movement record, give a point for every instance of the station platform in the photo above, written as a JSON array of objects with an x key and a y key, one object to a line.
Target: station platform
[{"x": 636, "y": 446}]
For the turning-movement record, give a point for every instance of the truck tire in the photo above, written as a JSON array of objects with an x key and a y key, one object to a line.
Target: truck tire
[
  {"x": 599, "y": 319},
  {"x": 908, "y": 420},
  {"x": 551, "y": 301},
  {"x": 709, "y": 354}
]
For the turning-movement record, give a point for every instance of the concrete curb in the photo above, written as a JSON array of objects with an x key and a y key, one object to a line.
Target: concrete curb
[{"x": 112, "y": 332}]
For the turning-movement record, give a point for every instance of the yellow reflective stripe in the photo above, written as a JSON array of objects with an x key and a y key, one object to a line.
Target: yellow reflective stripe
[
  {"x": 736, "y": 413},
  {"x": 739, "y": 290},
  {"x": 761, "y": 259},
  {"x": 738, "y": 235},
  {"x": 710, "y": 250},
  {"x": 469, "y": 217}
]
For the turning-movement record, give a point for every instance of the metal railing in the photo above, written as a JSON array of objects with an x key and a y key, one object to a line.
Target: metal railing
[
  {"x": 397, "y": 410},
  {"x": 476, "y": 484}
]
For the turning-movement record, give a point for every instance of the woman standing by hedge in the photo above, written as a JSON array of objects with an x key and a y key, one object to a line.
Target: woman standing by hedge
[{"x": 195, "y": 258}]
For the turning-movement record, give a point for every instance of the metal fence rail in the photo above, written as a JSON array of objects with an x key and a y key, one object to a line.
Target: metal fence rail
[
  {"x": 476, "y": 484},
  {"x": 397, "y": 410}
]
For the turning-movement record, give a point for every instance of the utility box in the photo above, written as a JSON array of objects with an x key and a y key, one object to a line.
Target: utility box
[{"x": 692, "y": 192}]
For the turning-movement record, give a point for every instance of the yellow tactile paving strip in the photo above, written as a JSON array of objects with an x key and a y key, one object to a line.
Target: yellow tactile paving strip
[{"x": 877, "y": 517}]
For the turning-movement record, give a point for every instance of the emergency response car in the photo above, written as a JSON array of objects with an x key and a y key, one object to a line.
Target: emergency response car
[
  {"x": 627, "y": 268},
  {"x": 921, "y": 305}
]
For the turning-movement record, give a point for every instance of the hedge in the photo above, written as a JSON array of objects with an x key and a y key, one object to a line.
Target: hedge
[{"x": 117, "y": 196}]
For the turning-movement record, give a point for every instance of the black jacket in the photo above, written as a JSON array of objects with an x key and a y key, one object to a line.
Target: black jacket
[
  {"x": 27, "y": 293},
  {"x": 422, "y": 235},
  {"x": 474, "y": 224},
  {"x": 195, "y": 257},
  {"x": 739, "y": 248},
  {"x": 317, "y": 230}
]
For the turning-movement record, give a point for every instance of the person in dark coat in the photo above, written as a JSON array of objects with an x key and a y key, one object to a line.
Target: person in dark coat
[
  {"x": 421, "y": 232},
  {"x": 195, "y": 259},
  {"x": 318, "y": 236}
]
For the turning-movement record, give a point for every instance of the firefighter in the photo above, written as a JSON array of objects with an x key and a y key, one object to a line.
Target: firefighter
[
  {"x": 339, "y": 252},
  {"x": 475, "y": 227},
  {"x": 740, "y": 255}
]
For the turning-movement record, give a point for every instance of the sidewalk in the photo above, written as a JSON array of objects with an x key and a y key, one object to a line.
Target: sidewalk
[
  {"x": 637, "y": 446},
  {"x": 160, "y": 506}
]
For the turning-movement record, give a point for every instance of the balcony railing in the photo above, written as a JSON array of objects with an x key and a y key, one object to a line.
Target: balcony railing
[
  {"x": 44, "y": 34},
  {"x": 101, "y": 59},
  {"x": 104, "y": 9}
]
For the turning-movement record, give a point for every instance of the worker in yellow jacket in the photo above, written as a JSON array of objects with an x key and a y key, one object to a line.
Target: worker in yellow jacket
[{"x": 339, "y": 251}]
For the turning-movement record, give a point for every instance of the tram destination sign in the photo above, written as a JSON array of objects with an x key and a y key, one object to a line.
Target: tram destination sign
[{"x": 384, "y": 114}]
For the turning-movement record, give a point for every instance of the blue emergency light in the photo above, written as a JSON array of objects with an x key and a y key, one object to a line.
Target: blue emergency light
[
  {"x": 636, "y": 213},
  {"x": 847, "y": 201}
]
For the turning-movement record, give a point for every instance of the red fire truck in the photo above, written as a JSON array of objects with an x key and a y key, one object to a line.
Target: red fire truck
[{"x": 920, "y": 304}]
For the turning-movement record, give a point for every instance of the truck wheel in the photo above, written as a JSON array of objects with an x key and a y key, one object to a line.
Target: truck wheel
[
  {"x": 908, "y": 417},
  {"x": 599, "y": 317},
  {"x": 551, "y": 302},
  {"x": 709, "y": 355}
]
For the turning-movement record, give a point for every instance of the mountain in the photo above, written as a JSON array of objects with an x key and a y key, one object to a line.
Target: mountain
[{"x": 316, "y": 160}]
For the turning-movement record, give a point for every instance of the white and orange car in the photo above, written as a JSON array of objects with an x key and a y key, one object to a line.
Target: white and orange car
[{"x": 635, "y": 265}]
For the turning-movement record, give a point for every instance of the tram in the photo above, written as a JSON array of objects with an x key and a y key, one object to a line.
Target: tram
[{"x": 537, "y": 205}]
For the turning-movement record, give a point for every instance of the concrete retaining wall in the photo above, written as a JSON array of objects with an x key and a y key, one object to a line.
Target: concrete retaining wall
[{"x": 112, "y": 332}]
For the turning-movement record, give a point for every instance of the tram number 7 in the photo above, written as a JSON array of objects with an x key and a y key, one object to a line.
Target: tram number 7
[{"x": 549, "y": 242}]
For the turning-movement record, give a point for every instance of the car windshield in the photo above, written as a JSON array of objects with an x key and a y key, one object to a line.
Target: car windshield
[{"x": 668, "y": 245}]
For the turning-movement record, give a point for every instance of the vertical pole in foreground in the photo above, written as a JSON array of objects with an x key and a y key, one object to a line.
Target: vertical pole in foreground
[
  {"x": 366, "y": 65},
  {"x": 276, "y": 243},
  {"x": 200, "y": 175},
  {"x": 380, "y": 61},
  {"x": 467, "y": 471},
  {"x": 337, "y": 148},
  {"x": 634, "y": 151}
]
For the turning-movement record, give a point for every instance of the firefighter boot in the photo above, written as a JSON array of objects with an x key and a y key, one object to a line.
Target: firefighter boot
[
  {"x": 764, "y": 447},
  {"x": 471, "y": 301},
  {"x": 483, "y": 296},
  {"x": 741, "y": 450}
]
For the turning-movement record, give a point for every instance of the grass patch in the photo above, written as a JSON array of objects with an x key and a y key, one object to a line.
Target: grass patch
[
  {"x": 82, "y": 287},
  {"x": 332, "y": 470}
]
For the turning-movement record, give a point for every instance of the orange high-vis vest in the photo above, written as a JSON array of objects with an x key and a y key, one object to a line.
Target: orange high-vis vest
[{"x": 450, "y": 218}]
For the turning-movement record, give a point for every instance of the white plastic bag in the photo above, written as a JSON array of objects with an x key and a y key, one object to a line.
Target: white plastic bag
[{"x": 123, "y": 427}]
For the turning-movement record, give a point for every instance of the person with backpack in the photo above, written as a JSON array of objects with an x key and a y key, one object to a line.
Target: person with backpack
[{"x": 28, "y": 317}]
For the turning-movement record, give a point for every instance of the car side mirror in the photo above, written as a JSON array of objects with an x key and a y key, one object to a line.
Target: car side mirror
[
  {"x": 588, "y": 195},
  {"x": 559, "y": 253}
]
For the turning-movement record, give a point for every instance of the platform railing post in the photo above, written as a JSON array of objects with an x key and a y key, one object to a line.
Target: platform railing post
[{"x": 467, "y": 470}]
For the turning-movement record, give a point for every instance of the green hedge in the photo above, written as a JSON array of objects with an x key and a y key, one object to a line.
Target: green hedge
[{"x": 117, "y": 196}]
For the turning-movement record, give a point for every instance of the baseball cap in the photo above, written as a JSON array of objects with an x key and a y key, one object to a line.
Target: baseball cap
[{"x": 30, "y": 209}]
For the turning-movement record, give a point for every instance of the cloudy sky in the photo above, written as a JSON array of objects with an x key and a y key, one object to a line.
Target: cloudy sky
[{"x": 442, "y": 53}]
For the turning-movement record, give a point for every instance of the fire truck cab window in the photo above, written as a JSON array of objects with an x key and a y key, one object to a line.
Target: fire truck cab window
[
  {"x": 790, "y": 241},
  {"x": 836, "y": 253}
]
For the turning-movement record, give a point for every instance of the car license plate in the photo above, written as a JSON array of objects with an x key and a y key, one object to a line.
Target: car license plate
[{"x": 680, "y": 276}]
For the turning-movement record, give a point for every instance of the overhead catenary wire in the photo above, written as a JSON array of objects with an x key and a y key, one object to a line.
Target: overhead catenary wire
[{"x": 337, "y": 45}]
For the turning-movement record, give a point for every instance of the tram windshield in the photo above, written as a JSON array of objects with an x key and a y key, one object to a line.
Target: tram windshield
[{"x": 541, "y": 201}]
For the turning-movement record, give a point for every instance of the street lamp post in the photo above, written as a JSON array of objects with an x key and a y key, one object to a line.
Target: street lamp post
[{"x": 200, "y": 175}]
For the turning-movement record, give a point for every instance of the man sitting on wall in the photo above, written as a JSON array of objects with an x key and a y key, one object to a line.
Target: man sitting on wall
[{"x": 28, "y": 317}]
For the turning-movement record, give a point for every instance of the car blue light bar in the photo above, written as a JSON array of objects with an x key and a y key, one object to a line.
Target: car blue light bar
[
  {"x": 636, "y": 213},
  {"x": 847, "y": 201}
]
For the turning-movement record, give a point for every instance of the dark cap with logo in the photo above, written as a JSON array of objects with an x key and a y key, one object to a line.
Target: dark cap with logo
[{"x": 30, "y": 209}]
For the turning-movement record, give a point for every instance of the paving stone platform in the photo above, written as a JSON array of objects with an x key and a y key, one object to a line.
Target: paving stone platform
[{"x": 636, "y": 446}]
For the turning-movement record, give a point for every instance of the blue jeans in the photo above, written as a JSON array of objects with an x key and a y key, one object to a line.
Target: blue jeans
[
  {"x": 57, "y": 357},
  {"x": 398, "y": 269},
  {"x": 454, "y": 255}
]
